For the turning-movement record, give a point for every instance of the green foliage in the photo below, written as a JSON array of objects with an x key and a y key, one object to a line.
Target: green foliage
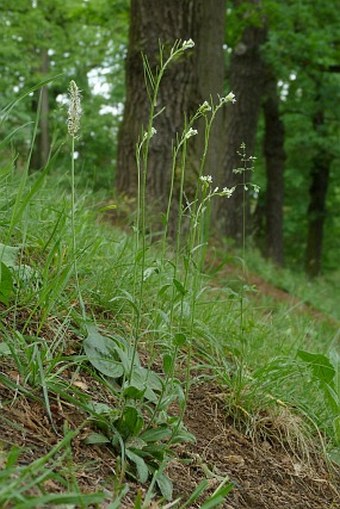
[
  {"x": 82, "y": 40},
  {"x": 140, "y": 389},
  {"x": 325, "y": 374}
]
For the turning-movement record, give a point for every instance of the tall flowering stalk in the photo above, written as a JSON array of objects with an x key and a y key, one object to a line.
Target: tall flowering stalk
[
  {"x": 73, "y": 127},
  {"x": 153, "y": 81}
]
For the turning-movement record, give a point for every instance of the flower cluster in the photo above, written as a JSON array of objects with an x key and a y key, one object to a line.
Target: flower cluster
[
  {"x": 228, "y": 191},
  {"x": 188, "y": 44},
  {"x": 74, "y": 110},
  {"x": 230, "y": 98},
  {"x": 205, "y": 107},
  {"x": 206, "y": 179},
  {"x": 190, "y": 132},
  {"x": 150, "y": 134}
]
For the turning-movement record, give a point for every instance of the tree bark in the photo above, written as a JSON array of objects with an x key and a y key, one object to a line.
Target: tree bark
[
  {"x": 186, "y": 84},
  {"x": 275, "y": 156},
  {"x": 246, "y": 80},
  {"x": 317, "y": 210}
]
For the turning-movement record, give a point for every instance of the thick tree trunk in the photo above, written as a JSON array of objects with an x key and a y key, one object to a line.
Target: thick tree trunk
[
  {"x": 210, "y": 70},
  {"x": 275, "y": 156},
  {"x": 186, "y": 84},
  {"x": 246, "y": 80},
  {"x": 317, "y": 206}
]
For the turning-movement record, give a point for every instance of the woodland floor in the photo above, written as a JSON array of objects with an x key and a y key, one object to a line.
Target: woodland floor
[{"x": 266, "y": 474}]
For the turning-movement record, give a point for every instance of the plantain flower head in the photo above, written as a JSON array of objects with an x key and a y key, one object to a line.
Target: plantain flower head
[{"x": 74, "y": 110}]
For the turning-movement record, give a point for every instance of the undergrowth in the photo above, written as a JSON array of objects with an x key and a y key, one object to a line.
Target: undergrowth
[{"x": 118, "y": 329}]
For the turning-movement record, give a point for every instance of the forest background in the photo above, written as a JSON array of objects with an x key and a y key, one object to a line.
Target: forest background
[{"x": 281, "y": 59}]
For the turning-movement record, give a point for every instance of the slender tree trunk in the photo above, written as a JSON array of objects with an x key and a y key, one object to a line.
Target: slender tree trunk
[
  {"x": 186, "y": 84},
  {"x": 317, "y": 205},
  {"x": 275, "y": 156},
  {"x": 246, "y": 79}
]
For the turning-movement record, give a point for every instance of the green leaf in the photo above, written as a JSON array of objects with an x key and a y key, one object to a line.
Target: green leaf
[
  {"x": 135, "y": 443},
  {"x": 179, "y": 287},
  {"x": 96, "y": 438},
  {"x": 141, "y": 466},
  {"x": 164, "y": 288},
  {"x": 6, "y": 284},
  {"x": 13, "y": 456},
  {"x": 149, "y": 271},
  {"x": 167, "y": 363},
  {"x": 203, "y": 485},
  {"x": 155, "y": 435},
  {"x": 131, "y": 422},
  {"x": 165, "y": 486},
  {"x": 332, "y": 397},
  {"x": 102, "y": 353},
  {"x": 99, "y": 408},
  {"x": 8, "y": 255},
  {"x": 321, "y": 367},
  {"x": 4, "y": 349},
  {"x": 147, "y": 380},
  {"x": 179, "y": 339},
  {"x": 133, "y": 392}
]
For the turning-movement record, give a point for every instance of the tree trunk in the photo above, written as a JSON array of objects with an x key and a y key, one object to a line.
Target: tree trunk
[
  {"x": 275, "y": 156},
  {"x": 186, "y": 84},
  {"x": 317, "y": 205},
  {"x": 209, "y": 58},
  {"x": 246, "y": 80}
]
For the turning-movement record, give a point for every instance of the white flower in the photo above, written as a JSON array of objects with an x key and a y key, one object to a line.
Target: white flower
[
  {"x": 230, "y": 98},
  {"x": 205, "y": 107},
  {"x": 206, "y": 179},
  {"x": 228, "y": 191},
  {"x": 188, "y": 44},
  {"x": 191, "y": 132},
  {"x": 150, "y": 134}
]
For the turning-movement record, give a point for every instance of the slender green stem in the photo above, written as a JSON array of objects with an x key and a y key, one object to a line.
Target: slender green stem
[{"x": 73, "y": 226}]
